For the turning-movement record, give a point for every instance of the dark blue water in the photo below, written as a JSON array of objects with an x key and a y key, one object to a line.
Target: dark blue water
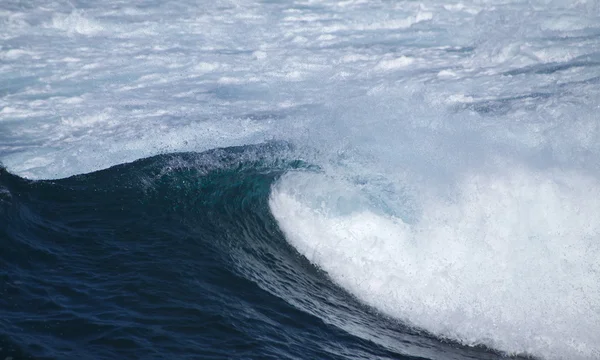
[{"x": 177, "y": 257}]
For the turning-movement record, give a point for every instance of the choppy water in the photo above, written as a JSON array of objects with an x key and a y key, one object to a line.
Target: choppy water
[{"x": 350, "y": 179}]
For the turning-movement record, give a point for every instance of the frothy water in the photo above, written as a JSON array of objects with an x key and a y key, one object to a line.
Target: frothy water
[
  {"x": 511, "y": 261},
  {"x": 457, "y": 142}
]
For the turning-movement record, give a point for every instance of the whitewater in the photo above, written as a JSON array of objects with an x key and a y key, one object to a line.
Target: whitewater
[{"x": 453, "y": 177}]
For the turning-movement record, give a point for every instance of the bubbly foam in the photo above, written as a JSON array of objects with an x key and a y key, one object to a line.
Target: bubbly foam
[
  {"x": 510, "y": 260},
  {"x": 76, "y": 23},
  {"x": 392, "y": 97}
]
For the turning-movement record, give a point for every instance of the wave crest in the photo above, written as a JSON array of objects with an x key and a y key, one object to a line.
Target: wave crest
[{"x": 511, "y": 261}]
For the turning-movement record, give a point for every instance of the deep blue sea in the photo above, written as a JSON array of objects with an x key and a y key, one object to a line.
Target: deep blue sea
[{"x": 302, "y": 179}]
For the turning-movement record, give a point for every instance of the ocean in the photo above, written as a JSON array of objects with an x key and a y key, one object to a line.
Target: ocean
[{"x": 301, "y": 179}]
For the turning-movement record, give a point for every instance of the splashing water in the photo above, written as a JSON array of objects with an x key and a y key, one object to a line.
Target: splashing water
[{"x": 457, "y": 142}]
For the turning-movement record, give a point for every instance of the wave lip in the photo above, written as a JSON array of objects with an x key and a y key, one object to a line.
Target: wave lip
[{"x": 511, "y": 262}]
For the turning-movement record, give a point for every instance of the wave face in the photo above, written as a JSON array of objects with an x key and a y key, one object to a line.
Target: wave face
[
  {"x": 177, "y": 255},
  {"x": 319, "y": 179}
]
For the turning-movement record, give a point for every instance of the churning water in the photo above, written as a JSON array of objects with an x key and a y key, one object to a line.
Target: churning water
[{"x": 319, "y": 179}]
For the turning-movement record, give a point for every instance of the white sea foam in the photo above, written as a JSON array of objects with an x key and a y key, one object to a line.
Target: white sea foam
[
  {"x": 510, "y": 261},
  {"x": 76, "y": 23},
  {"x": 393, "y": 64},
  {"x": 390, "y": 98}
]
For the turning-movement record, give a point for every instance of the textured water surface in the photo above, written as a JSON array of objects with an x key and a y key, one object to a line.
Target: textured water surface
[{"x": 300, "y": 179}]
